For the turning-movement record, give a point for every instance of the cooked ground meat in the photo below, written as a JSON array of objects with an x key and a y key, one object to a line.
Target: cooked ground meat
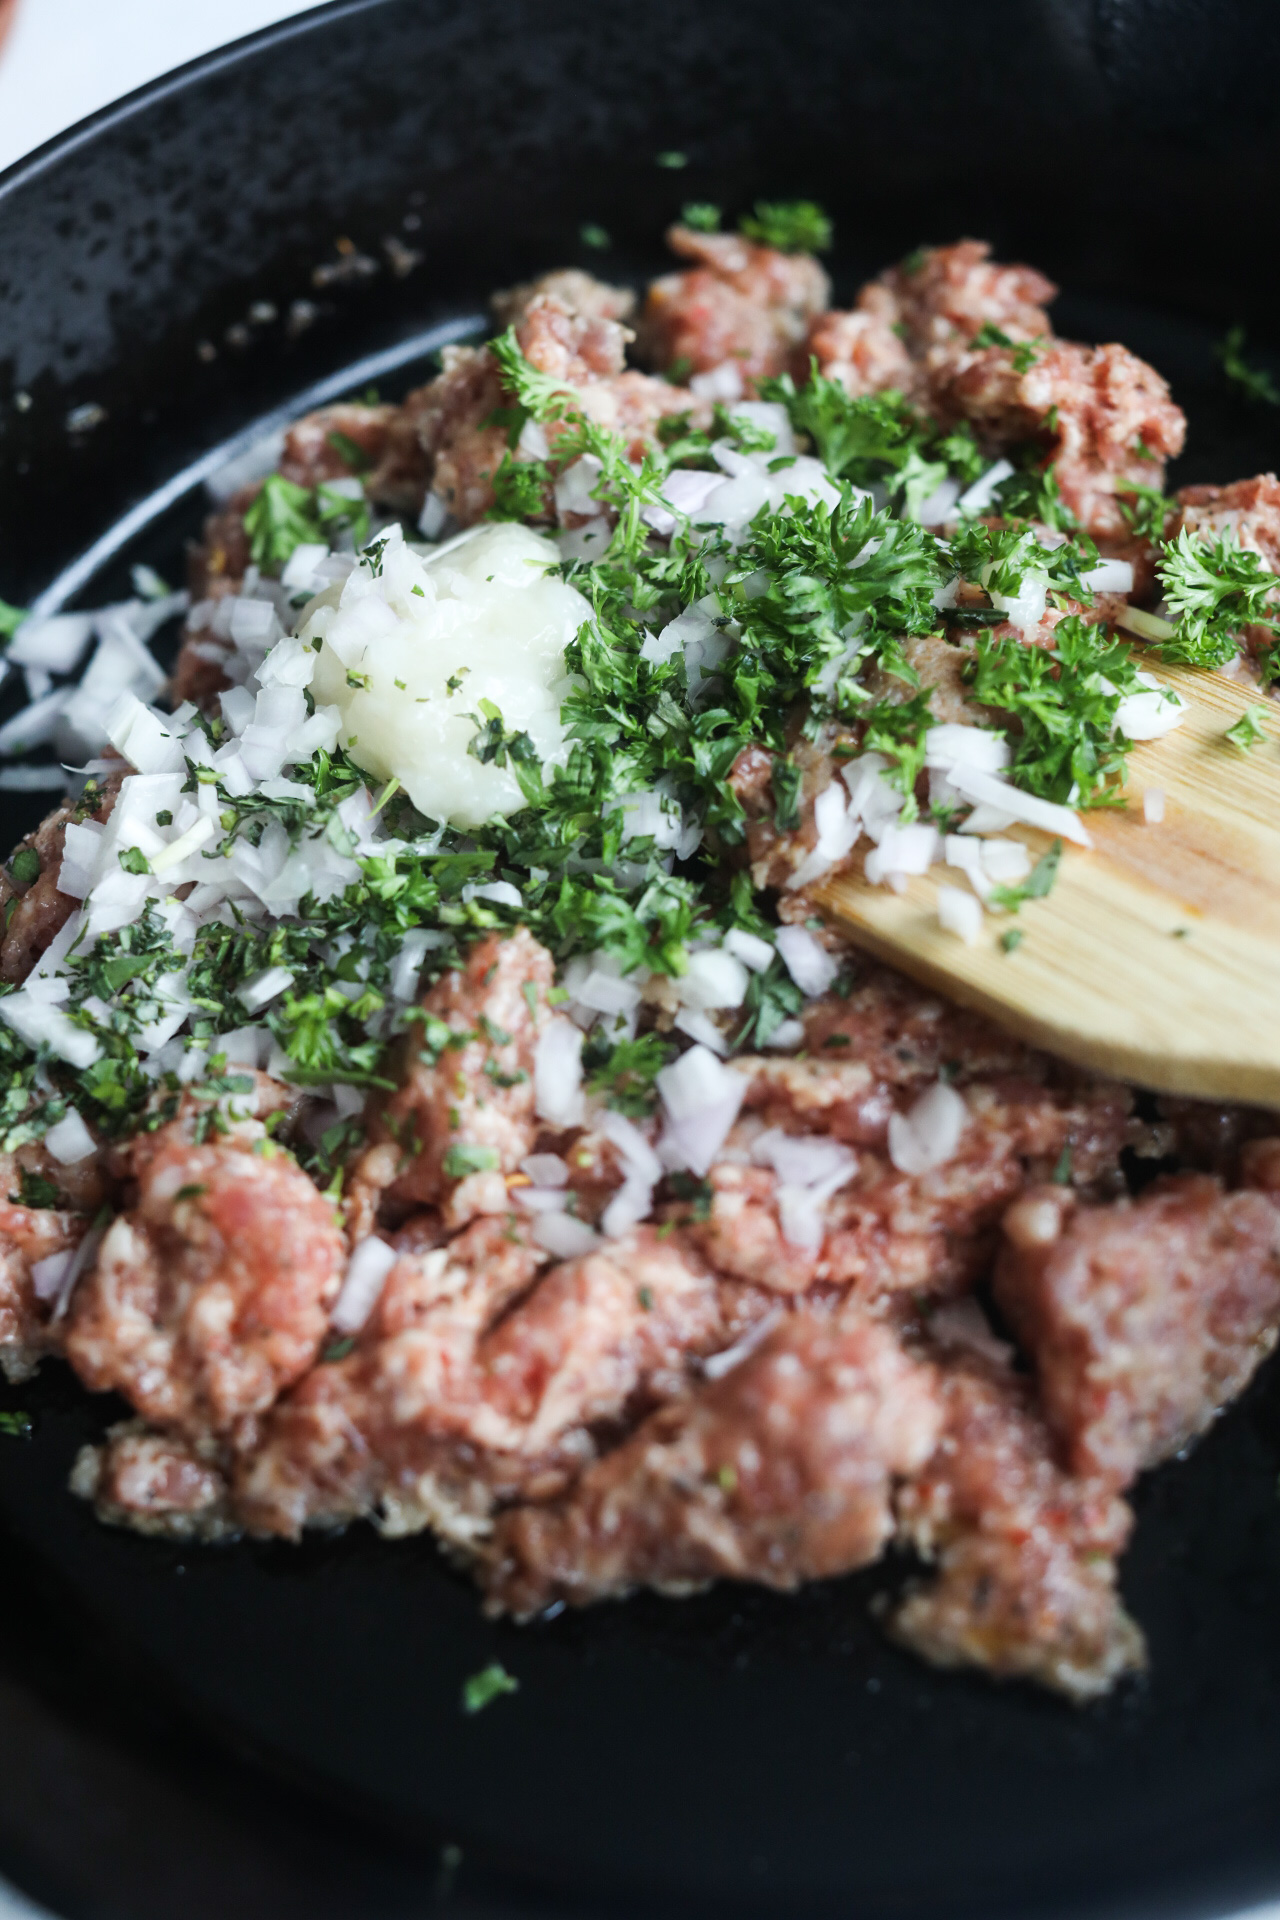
[
  {"x": 212, "y": 1291},
  {"x": 860, "y": 350},
  {"x": 780, "y": 1472},
  {"x": 943, "y": 296},
  {"x": 740, "y": 306},
  {"x": 464, "y": 1116},
  {"x": 578, "y": 292},
  {"x": 390, "y": 459},
  {"x": 1144, "y": 1318},
  {"x": 1025, "y": 1554}
]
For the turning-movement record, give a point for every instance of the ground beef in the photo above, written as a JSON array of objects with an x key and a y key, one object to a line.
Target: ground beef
[
  {"x": 156, "y": 1484},
  {"x": 32, "y": 914},
  {"x": 741, "y": 305},
  {"x": 779, "y": 1472},
  {"x": 1025, "y": 1554},
  {"x": 1143, "y": 1318},
  {"x": 463, "y": 1118},
  {"x": 27, "y": 1236},
  {"x": 212, "y": 1291},
  {"x": 392, "y": 463}
]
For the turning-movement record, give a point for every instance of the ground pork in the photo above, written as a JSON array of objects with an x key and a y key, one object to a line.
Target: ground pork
[
  {"x": 740, "y": 306},
  {"x": 463, "y": 1117},
  {"x": 211, "y": 1292},
  {"x": 390, "y": 459},
  {"x": 578, "y": 292},
  {"x": 780, "y": 1472},
  {"x": 1143, "y": 1318},
  {"x": 27, "y": 1329},
  {"x": 1249, "y": 509},
  {"x": 155, "y": 1483},
  {"x": 583, "y": 347},
  {"x": 942, "y": 296},
  {"x": 1025, "y": 1554},
  {"x": 471, "y": 1376},
  {"x": 32, "y": 913},
  {"x": 1103, "y": 417},
  {"x": 860, "y": 350}
]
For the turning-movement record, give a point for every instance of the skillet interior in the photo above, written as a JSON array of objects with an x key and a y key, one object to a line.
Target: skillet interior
[{"x": 737, "y": 1751}]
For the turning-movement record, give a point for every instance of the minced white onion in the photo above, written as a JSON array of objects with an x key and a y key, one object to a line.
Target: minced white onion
[
  {"x": 362, "y": 1284},
  {"x": 959, "y": 913},
  {"x": 557, "y": 1073},
  {"x": 806, "y": 960},
  {"x": 702, "y": 1098},
  {"x": 1153, "y": 806},
  {"x": 928, "y": 1135},
  {"x": 750, "y": 949},
  {"x": 565, "y": 1236},
  {"x": 70, "y": 1141}
]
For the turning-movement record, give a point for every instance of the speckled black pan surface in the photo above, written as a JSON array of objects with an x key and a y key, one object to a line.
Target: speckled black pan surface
[{"x": 269, "y": 1731}]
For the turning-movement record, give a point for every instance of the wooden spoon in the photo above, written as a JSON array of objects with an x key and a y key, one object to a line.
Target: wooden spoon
[{"x": 1156, "y": 957}]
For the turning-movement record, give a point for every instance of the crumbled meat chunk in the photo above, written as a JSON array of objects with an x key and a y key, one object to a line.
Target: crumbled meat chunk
[
  {"x": 577, "y": 292},
  {"x": 212, "y": 1291},
  {"x": 155, "y": 1484},
  {"x": 1144, "y": 1317},
  {"x": 740, "y": 305},
  {"x": 1025, "y": 1554},
  {"x": 860, "y": 350},
  {"x": 32, "y": 915},
  {"x": 1249, "y": 508},
  {"x": 27, "y": 1236},
  {"x": 470, "y": 1372},
  {"x": 464, "y": 1117},
  {"x": 1104, "y": 417},
  {"x": 780, "y": 1472},
  {"x": 584, "y": 347},
  {"x": 944, "y": 296},
  {"x": 392, "y": 463}
]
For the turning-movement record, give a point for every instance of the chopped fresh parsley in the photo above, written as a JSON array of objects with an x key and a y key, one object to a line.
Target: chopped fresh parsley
[
  {"x": 1253, "y": 383},
  {"x": 1145, "y": 508},
  {"x": 11, "y": 618},
  {"x": 462, "y": 1160},
  {"x": 1037, "y": 884},
  {"x": 624, "y": 1071},
  {"x": 792, "y": 226},
  {"x": 15, "y": 1424},
  {"x": 1214, "y": 588},
  {"x": 594, "y": 236},
  {"x": 24, "y": 868},
  {"x": 283, "y": 516},
  {"x": 701, "y": 216},
  {"x": 1248, "y": 730},
  {"x": 483, "y": 1688}
]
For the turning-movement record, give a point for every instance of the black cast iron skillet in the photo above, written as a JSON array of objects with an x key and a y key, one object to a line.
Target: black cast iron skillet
[{"x": 264, "y": 1729}]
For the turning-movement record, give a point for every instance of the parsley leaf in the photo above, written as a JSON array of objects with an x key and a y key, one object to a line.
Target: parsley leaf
[
  {"x": 701, "y": 216},
  {"x": 487, "y": 1686},
  {"x": 1253, "y": 383},
  {"x": 1037, "y": 884},
  {"x": 1214, "y": 588},
  {"x": 1248, "y": 730},
  {"x": 792, "y": 226}
]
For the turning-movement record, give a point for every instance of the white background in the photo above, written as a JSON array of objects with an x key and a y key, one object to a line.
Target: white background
[{"x": 65, "y": 59}]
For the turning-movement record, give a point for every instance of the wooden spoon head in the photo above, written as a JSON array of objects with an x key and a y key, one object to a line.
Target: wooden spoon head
[{"x": 1156, "y": 957}]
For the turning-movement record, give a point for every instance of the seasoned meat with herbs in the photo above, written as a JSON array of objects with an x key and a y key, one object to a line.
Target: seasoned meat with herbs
[
  {"x": 782, "y": 1471},
  {"x": 1025, "y": 1554},
  {"x": 1143, "y": 1318},
  {"x": 211, "y": 1292},
  {"x": 577, "y": 292},
  {"x": 155, "y": 1483}
]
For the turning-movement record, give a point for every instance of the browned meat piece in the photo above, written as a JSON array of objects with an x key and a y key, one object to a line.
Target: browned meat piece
[
  {"x": 464, "y": 450},
  {"x": 860, "y": 350},
  {"x": 1145, "y": 1317},
  {"x": 81, "y": 1187},
  {"x": 941, "y": 297},
  {"x": 33, "y": 914},
  {"x": 578, "y": 292},
  {"x": 1206, "y": 1136},
  {"x": 464, "y": 1117},
  {"x": 393, "y": 465},
  {"x": 780, "y": 1472},
  {"x": 212, "y": 1292},
  {"x": 739, "y": 303},
  {"x": 1103, "y": 416},
  {"x": 155, "y": 1484},
  {"x": 1026, "y": 1580},
  {"x": 27, "y": 1236},
  {"x": 216, "y": 566}
]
